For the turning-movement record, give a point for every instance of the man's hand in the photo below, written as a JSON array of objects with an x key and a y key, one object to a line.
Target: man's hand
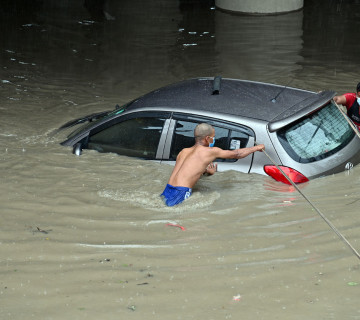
[
  {"x": 211, "y": 168},
  {"x": 340, "y": 99}
]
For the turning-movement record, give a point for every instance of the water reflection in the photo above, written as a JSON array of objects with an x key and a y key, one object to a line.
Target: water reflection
[
  {"x": 195, "y": 42},
  {"x": 97, "y": 10},
  {"x": 259, "y": 47},
  {"x": 330, "y": 50}
]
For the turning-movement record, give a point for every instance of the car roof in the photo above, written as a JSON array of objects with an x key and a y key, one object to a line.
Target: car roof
[{"x": 250, "y": 99}]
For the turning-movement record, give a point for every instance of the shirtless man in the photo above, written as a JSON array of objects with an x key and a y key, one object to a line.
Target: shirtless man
[{"x": 192, "y": 163}]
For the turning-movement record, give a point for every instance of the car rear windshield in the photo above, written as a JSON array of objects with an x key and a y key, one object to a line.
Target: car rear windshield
[{"x": 317, "y": 136}]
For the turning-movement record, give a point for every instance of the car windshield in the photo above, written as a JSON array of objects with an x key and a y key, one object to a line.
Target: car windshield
[
  {"x": 89, "y": 122},
  {"x": 317, "y": 136}
]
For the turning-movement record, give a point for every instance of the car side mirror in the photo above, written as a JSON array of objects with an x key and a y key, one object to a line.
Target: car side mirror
[{"x": 77, "y": 149}]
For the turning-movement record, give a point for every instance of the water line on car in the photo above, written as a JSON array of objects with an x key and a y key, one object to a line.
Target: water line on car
[{"x": 342, "y": 237}]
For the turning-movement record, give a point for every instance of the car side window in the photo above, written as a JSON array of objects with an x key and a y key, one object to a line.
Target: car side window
[
  {"x": 224, "y": 138},
  {"x": 136, "y": 137},
  {"x": 238, "y": 139}
]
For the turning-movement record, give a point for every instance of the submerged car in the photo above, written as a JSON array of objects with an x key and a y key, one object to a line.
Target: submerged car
[{"x": 303, "y": 131}]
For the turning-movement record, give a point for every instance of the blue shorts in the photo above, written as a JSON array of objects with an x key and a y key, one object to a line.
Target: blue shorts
[{"x": 175, "y": 195}]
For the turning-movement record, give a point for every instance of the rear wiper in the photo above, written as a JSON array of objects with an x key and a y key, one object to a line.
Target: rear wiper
[{"x": 315, "y": 132}]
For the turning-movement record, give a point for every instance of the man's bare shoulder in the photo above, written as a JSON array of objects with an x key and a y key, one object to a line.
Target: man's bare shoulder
[
  {"x": 185, "y": 152},
  {"x": 200, "y": 150},
  {"x": 213, "y": 150}
]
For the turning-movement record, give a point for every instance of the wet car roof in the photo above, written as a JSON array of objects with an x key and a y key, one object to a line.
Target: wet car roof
[{"x": 243, "y": 98}]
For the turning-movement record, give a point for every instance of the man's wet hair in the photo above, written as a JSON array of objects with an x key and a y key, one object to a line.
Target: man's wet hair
[
  {"x": 203, "y": 130},
  {"x": 358, "y": 87}
]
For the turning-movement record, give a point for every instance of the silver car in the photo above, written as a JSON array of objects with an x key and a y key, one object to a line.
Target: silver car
[{"x": 302, "y": 131}]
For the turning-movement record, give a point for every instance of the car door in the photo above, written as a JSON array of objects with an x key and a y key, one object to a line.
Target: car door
[
  {"x": 139, "y": 134},
  {"x": 228, "y": 137}
]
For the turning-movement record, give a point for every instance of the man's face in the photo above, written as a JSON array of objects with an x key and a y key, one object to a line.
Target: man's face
[{"x": 210, "y": 139}]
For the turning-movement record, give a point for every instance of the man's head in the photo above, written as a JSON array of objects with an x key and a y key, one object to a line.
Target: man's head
[
  {"x": 358, "y": 89},
  {"x": 204, "y": 133}
]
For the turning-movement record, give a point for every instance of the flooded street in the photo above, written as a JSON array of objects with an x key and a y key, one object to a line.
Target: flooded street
[{"x": 88, "y": 237}]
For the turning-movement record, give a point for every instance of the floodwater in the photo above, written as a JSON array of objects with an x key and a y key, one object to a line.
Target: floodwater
[{"x": 88, "y": 237}]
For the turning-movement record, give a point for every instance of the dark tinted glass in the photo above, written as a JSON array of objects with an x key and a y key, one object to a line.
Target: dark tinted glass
[
  {"x": 138, "y": 137},
  {"x": 183, "y": 137}
]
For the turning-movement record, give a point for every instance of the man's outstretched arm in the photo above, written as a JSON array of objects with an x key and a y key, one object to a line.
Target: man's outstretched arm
[
  {"x": 244, "y": 152},
  {"x": 237, "y": 153}
]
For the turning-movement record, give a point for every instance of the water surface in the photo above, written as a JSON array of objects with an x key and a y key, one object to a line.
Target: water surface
[{"x": 88, "y": 237}]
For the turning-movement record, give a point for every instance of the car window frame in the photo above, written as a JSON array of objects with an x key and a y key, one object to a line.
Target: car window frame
[
  {"x": 248, "y": 161},
  {"x": 137, "y": 114}
]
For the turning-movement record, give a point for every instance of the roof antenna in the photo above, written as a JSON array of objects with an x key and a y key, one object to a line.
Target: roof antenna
[
  {"x": 216, "y": 85},
  {"x": 273, "y": 100}
]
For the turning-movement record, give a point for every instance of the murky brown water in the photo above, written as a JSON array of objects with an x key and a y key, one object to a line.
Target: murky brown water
[{"x": 87, "y": 237}]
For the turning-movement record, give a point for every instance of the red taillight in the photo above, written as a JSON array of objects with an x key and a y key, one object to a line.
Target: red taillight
[{"x": 295, "y": 176}]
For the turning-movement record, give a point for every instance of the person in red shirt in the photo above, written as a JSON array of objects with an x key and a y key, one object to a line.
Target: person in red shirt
[{"x": 352, "y": 103}]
